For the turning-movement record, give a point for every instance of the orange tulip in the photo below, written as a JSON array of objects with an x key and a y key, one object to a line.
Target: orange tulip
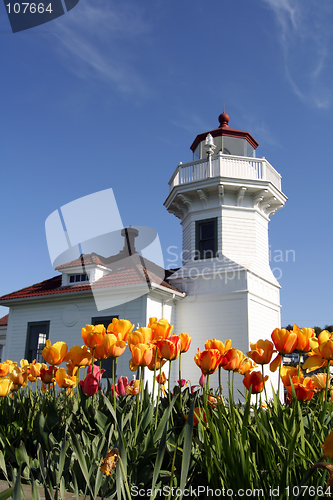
[
  {"x": 304, "y": 388},
  {"x": 63, "y": 380},
  {"x": 261, "y": 352},
  {"x": 4, "y": 369},
  {"x": 255, "y": 381},
  {"x": 208, "y": 360},
  {"x": 284, "y": 340},
  {"x": 169, "y": 348},
  {"x": 34, "y": 370},
  {"x": 232, "y": 360},
  {"x": 247, "y": 365},
  {"x": 142, "y": 354},
  {"x": 161, "y": 379},
  {"x": 54, "y": 354},
  {"x": 159, "y": 361},
  {"x": 71, "y": 369},
  {"x": 112, "y": 346},
  {"x": 133, "y": 388},
  {"x": 198, "y": 415},
  {"x": 287, "y": 373},
  {"x": 142, "y": 335},
  {"x": 161, "y": 328},
  {"x": 185, "y": 342},
  {"x": 5, "y": 386},
  {"x": 328, "y": 445},
  {"x": 120, "y": 328},
  {"x": 19, "y": 376},
  {"x": 93, "y": 335},
  {"x": 319, "y": 381},
  {"x": 303, "y": 338},
  {"x": 79, "y": 356},
  {"x": 217, "y": 344}
]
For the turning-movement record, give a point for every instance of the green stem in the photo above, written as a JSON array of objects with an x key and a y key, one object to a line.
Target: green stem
[
  {"x": 158, "y": 396},
  {"x": 233, "y": 387},
  {"x": 125, "y": 479},
  {"x": 326, "y": 390},
  {"x": 180, "y": 379},
  {"x": 141, "y": 387},
  {"x": 114, "y": 384},
  {"x": 278, "y": 393},
  {"x": 220, "y": 381},
  {"x": 170, "y": 392},
  {"x": 137, "y": 406},
  {"x": 156, "y": 352},
  {"x": 263, "y": 379}
]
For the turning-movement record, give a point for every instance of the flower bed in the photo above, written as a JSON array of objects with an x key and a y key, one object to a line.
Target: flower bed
[{"x": 124, "y": 442}]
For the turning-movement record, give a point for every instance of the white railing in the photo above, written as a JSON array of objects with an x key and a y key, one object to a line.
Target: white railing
[{"x": 220, "y": 165}]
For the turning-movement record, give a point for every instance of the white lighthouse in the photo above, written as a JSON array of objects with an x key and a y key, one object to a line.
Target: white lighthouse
[{"x": 224, "y": 199}]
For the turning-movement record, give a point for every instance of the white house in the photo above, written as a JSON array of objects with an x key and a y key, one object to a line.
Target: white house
[
  {"x": 225, "y": 288},
  {"x": 3, "y": 332}
]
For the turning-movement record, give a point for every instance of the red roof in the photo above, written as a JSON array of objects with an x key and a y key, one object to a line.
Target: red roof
[
  {"x": 122, "y": 277},
  {"x": 85, "y": 260},
  {"x": 4, "y": 320},
  {"x": 225, "y": 130}
]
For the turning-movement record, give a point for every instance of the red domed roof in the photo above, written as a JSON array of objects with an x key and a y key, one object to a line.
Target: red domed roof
[{"x": 225, "y": 130}]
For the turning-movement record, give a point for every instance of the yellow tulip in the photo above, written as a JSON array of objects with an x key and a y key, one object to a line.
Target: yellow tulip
[
  {"x": 79, "y": 356},
  {"x": 261, "y": 352},
  {"x": 54, "y": 354},
  {"x": 328, "y": 446},
  {"x": 142, "y": 335},
  {"x": 93, "y": 335},
  {"x": 120, "y": 328},
  {"x": 160, "y": 328},
  {"x": 63, "y": 380},
  {"x": 218, "y": 344},
  {"x": 5, "y": 386}
]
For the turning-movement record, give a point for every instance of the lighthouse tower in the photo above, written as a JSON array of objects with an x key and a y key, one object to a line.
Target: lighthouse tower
[{"x": 224, "y": 199}]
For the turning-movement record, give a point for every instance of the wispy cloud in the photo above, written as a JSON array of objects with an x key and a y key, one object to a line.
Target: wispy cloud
[
  {"x": 96, "y": 42},
  {"x": 305, "y": 35}
]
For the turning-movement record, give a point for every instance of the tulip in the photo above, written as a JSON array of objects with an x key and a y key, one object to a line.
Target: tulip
[
  {"x": 202, "y": 380},
  {"x": 133, "y": 387},
  {"x": 198, "y": 414},
  {"x": 47, "y": 375},
  {"x": 79, "y": 356},
  {"x": 93, "y": 335},
  {"x": 319, "y": 381},
  {"x": 63, "y": 380},
  {"x": 303, "y": 338},
  {"x": 120, "y": 328},
  {"x": 284, "y": 340},
  {"x": 5, "y": 386},
  {"x": 4, "y": 369},
  {"x": 161, "y": 379},
  {"x": 160, "y": 328},
  {"x": 112, "y": 346},
  {"x": 143, "y": 335},
  {"x": 96, "y": 371},
  {"x": 185, "y": 342},
  {"x": 232, "y": 360},
  {"x": 247, "y": 365},
  {"x": 212, "y": 401},
  {"x": 90, "y": 385},
  {"x": 304, "y": 388},
  {"x": 110, "y": 461},
  {"x": 71, "y": 369},
  {"x": 287, "y": 373},
  {"x": 254, "y": 380},
  {"x": 328, "y": 445},
  {"x": 217, "y": 344},
  {"x": 34, "y": 370},
  {"x": 121, "y": 386},
  {"x": 208, "y": 360},
  {"x": 159, "y": 361},
  {"x": 169, "y": 348},
  {"x": 54, "y": 354},
  {"x": 261, "y": 352},
  {"x": 19, "y": 376},
  {"x": 142, "y": 355}
]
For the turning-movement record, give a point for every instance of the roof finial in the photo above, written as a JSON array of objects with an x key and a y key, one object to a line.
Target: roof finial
[{"x": 224, "y": 119}]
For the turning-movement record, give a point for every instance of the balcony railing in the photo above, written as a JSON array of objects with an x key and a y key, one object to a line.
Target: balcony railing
[{"x": 238, "y": 167}]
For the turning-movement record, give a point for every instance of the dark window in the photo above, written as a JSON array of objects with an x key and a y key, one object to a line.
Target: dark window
[
  {"x": 76, "y": 278},
  {"x": 106, "y": 363},
  {"x": 37, "y": 334},
  {"x": 206, "y": 238}
]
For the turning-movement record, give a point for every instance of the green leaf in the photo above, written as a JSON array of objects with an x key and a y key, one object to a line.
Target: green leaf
[
  {"x": 6, "y": 494},
  {"x": 159, "y": 459},
  {"x": 187, "y": 447},
  {"x": 17, "y": 486}
]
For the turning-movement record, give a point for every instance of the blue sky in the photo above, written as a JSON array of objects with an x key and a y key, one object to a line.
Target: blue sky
[{"x": 112, "y": 94}]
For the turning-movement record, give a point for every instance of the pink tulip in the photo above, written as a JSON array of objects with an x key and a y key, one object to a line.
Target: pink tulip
[
  {"x": 202, "y": 380},
  {"x": 90, "y": 385},
  {"x": 95, "y": 371}
]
